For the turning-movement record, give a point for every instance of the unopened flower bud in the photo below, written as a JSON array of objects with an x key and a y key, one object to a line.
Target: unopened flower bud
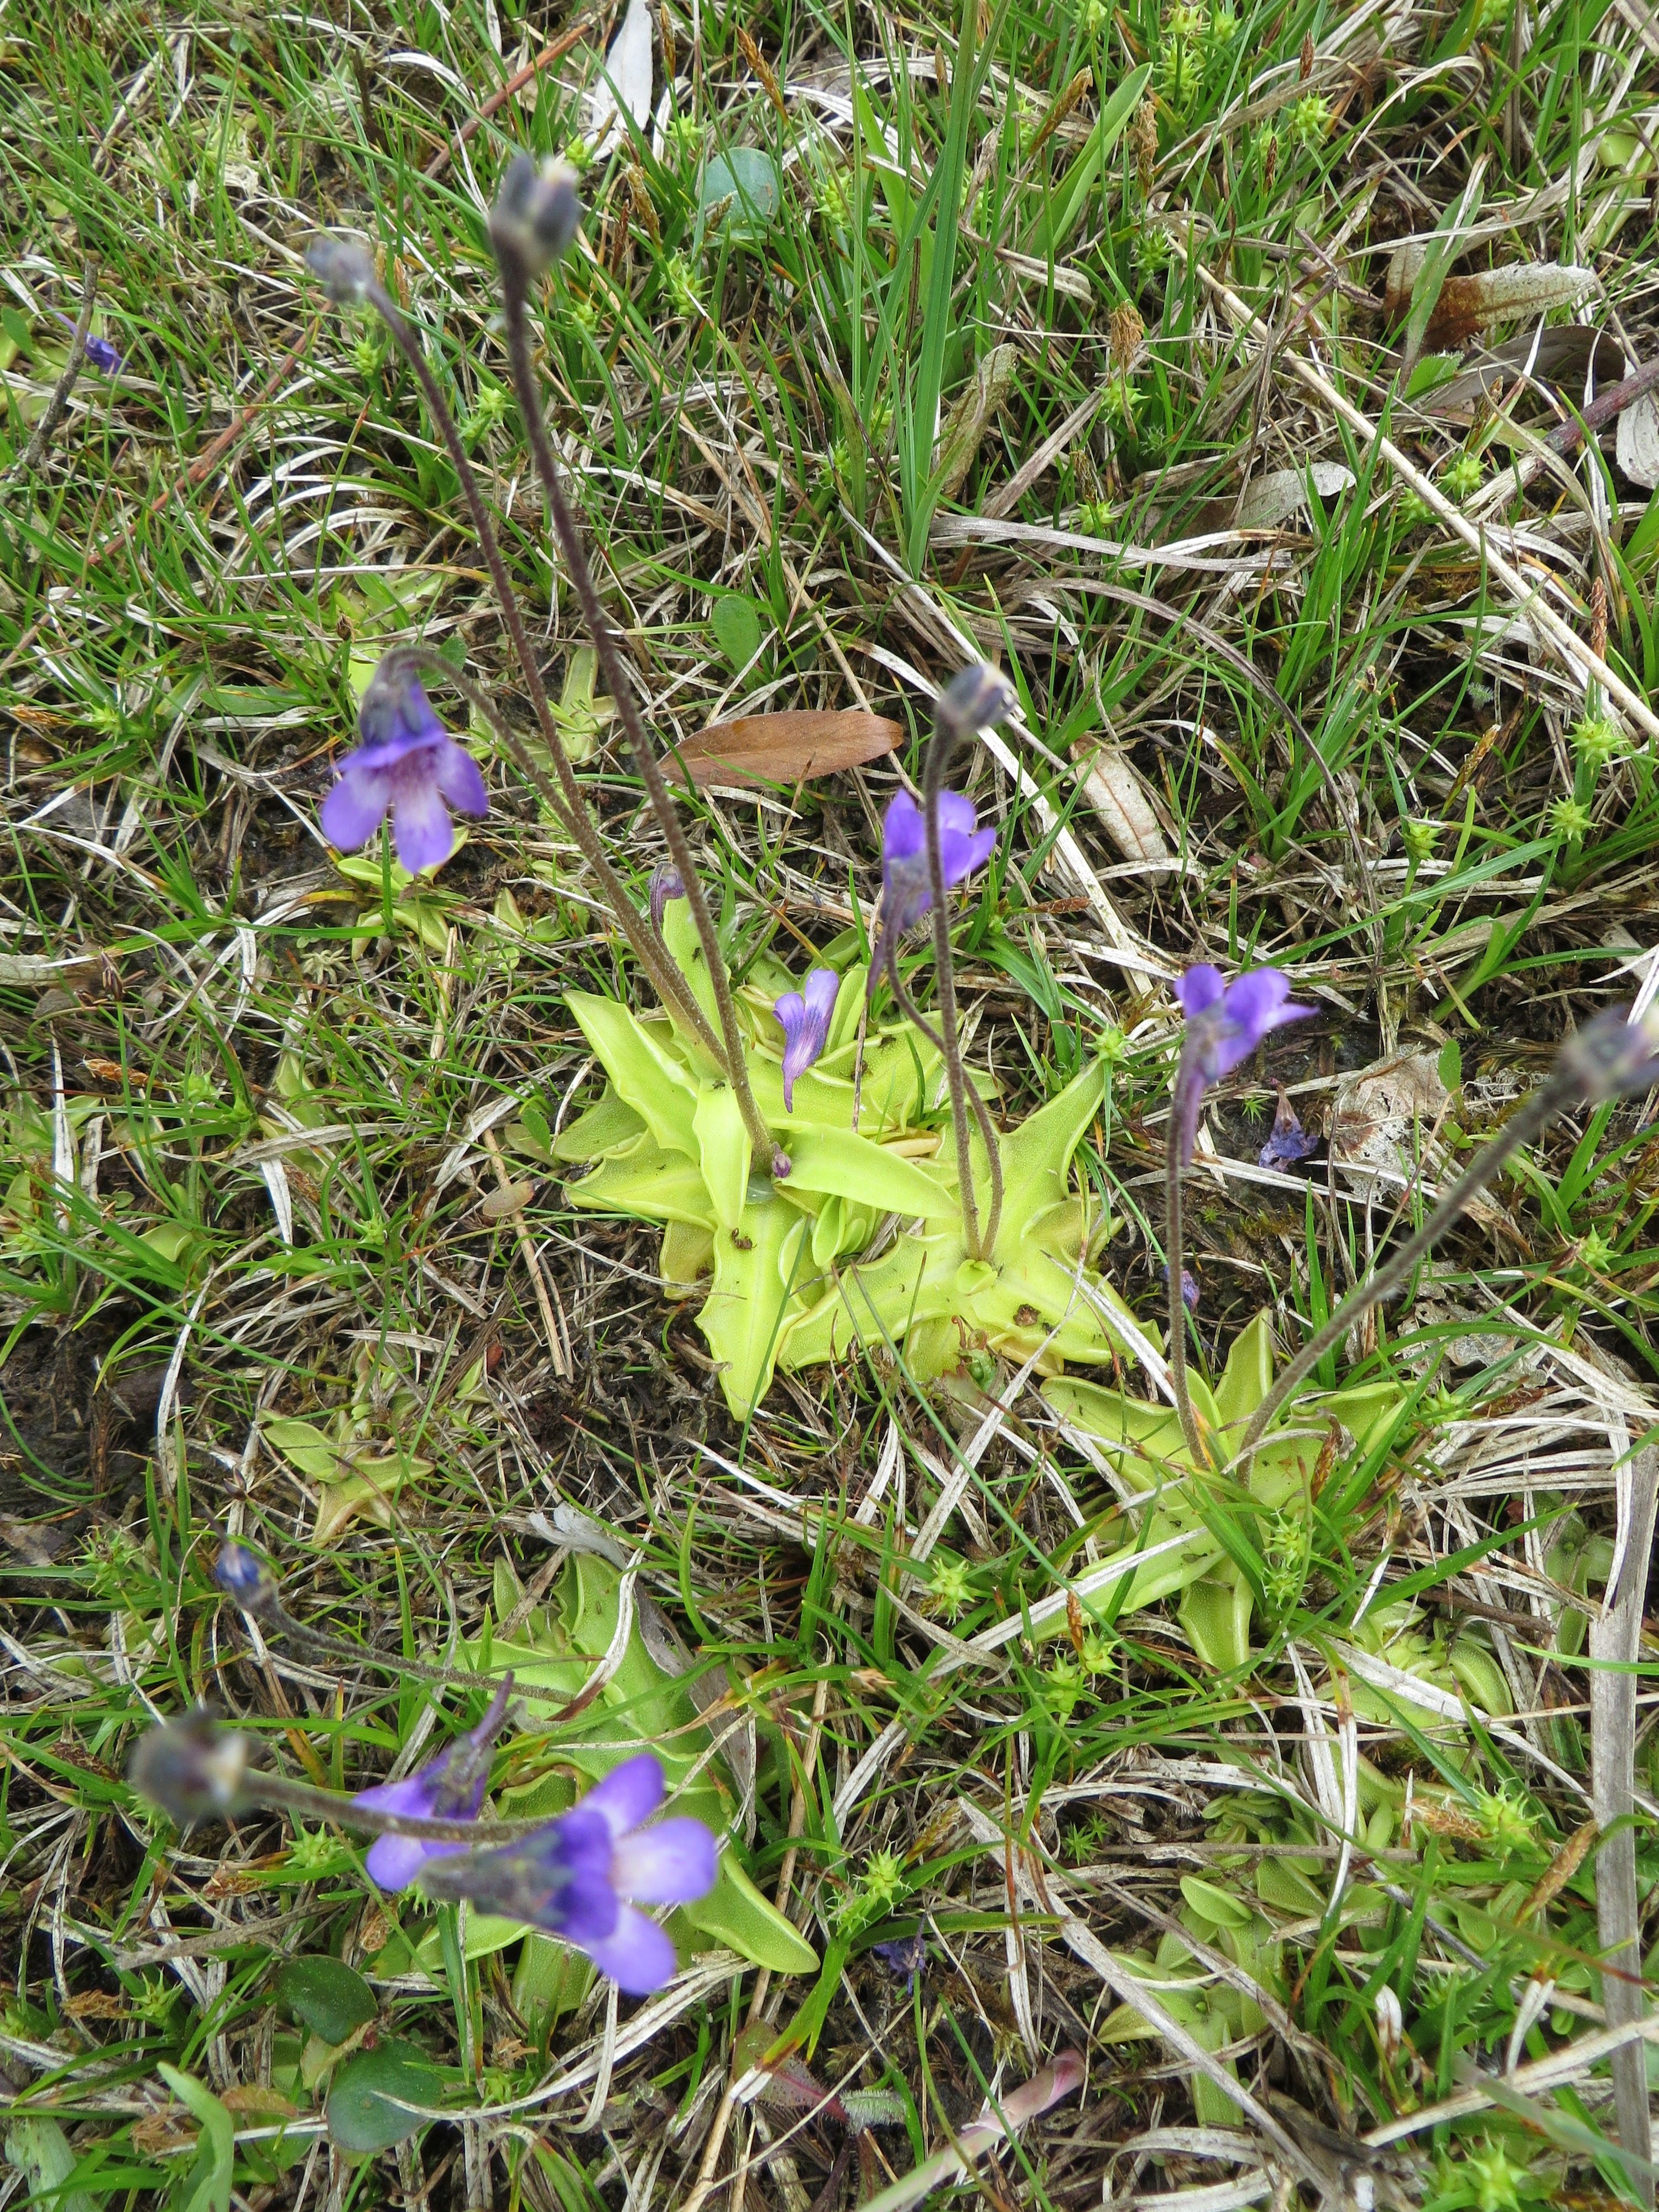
[
  {"x": 537, "y": 213},
  {"x": 973, "y": 700},
  {"x": 667, "y": 884},
  {"x": 242, "y": 1576},
  {"x": 1613, "y": 1054},
  {"x": 192, "y": 1767},
  {"x": 344, "y": 270}
]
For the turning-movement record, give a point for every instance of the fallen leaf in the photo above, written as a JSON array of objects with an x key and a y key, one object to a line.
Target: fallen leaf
[
  {"x": 1112, "y": 786},
  {"x": 1468, "y": 304},
  {"x": 972, "y": 417},
  {"x": 784, "y": 749},
  {"x": 1562, "y": 357},
  {"x": 1638, "y": 448},
  {"x": 1384, "y": 1115},
  {"x": 1283, "y": 492}
]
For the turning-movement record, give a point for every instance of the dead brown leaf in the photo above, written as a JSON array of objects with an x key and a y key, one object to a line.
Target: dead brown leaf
[{"x": 784, "y": 749}]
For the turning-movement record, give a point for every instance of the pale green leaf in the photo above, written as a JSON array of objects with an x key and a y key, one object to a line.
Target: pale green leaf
[
  {"x": 724, "y": 1150},
  {"x": 843, "y": 1164},
  {"x": 647, "y": 1077}
]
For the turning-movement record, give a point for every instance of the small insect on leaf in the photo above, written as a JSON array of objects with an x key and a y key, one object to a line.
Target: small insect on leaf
[{"x": 111, "y": 1070}]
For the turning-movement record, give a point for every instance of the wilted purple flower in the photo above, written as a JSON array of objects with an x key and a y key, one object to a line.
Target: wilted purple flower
[
  {"x": 99, "y": 351},
  {"x": 806, "y": 1019},
  {"x": 906, "y": 889},
  {"x": 409, "y": 762},
  {"x": 1288, "y": 1140},
  {"x": 1190, "y": 1290},
  {"x": 538, "y": 212},
  {"x": 905, "y": 1957},
  {"x": 451, "y": 1787},
  {"x": 579, "y": 1876},
  {"x": 244, "y": 1576},
  {"x": 667, "y": 884}
]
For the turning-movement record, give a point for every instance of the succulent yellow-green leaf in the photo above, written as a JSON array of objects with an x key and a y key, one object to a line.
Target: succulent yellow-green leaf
[
  {"x": 723, "y": 1150},
  {"x": 844, "y": 1165},
  {"x": 648, "y": 1078}
]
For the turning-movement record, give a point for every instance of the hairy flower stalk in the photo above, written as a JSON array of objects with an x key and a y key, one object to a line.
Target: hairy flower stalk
[
  {"x": 347, "y": 273},
  {"x": 1225, "y": 1026},
  {"x": 534, "y": 219},
  {"x": 245, "y": 1577},
  {"x": 579, "y": 1876},
  {"x": 973, "y": 700},
  {"x": 1607, "y": 1057}
]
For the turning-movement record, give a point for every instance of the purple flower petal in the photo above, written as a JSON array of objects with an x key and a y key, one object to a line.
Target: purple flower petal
[
  {"x": 903, "y": 835},
  {"x": 805, "y": 1022},
  {"x": 394, "y": 1862},
  {"x": 1288, "y": 1141},
  {"x": 356, "y": 807},
  {"x": 460, "y": 779},
  {"x": 670, "y": 1864},
  {"x": 419, "y": 822},
  {"x": 630, "y": 1793},
  {"x": 637, "y": 1955},
  {"x": 1198, "y": 989}
]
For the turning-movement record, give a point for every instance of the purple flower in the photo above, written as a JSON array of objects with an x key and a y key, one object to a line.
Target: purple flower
[
  {"x": 243, "y": 1575},
  {"x": 408, "y": 762},
  {"x": 905, "y": 1957},
  {"x": 1189, "y": 1288},
  {"x": 806, "y": 1021},
  {"x": 667, "y": 882},
  {"x": 450, "y": 1787},
  {"x": 1288, "y": 1140},
  {"x": 1225, "y": 1023},
  {"x": 906, "y": 889},
  {"x": 99, "y": 351},
  {"x": 579, "y": 1876}
]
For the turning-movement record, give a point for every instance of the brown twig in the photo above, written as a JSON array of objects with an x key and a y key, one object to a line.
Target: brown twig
[
  {"x": 1567, "y": 437},
  {"x": 58, "y": 406},
  {"x": 549, "y": 54}
]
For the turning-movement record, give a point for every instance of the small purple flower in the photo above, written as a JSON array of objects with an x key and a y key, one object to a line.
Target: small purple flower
[
  {"x": 99, "y": 351},
  {"x": 906, "y": 889},
  {"x": 806, "y": 1019},
  {"x": 1288, "y": 1140},
  {"x": 667, "y": 882},
  {"x": 409, "y": 762},
  {"x": 1189, "y": 1288},
  {"x": 245, "y": 1576},
  {"x": 580, "y": 1877},
  {"x": 905, "y": 1957},
  {"x": 1225, "y": 1023},
  {"x": 451, "y": 1787}
]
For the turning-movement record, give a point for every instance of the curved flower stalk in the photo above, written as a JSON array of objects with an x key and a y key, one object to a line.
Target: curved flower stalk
[
  {"x": 535, "y": 218},
  {"x": 1609, "y": 1057},
  {"x": 1225, "y": 1023},
  {"x": 583, "y": 1876},
  {"x": 450, "y": 1787},
  {"x": 578, "y": 1876},
  {"x": 347, "y": 273}
]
